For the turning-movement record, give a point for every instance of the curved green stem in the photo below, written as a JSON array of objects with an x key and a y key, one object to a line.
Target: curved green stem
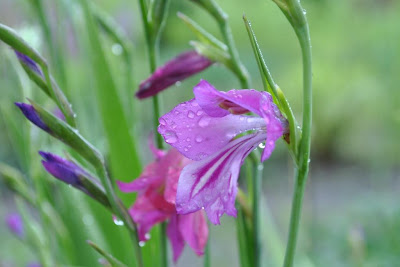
[
  {"x": 257, "y": 192},
  {"x": 299, "y": 23}
]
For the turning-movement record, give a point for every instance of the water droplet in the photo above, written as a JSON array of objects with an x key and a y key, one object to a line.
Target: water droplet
[
  {"x": 176, "y": 112},
  {"x": 304, "y": 11},
  {"x": 118, "y": 221},
  {"x": 178, "y": 83},
  {"x": 188, "y": 139},
  {"x": 200, "y": 112},
  {"x": 199, "y": 139},
  {"x": 195, "y": 104},
  {"x": 261, "y": 145},
  {"x": 204, "y": 121},
  {"x": 147, "y": 236},
  {"x": 185, "y": 149},
  {"x": 202, "y": 208},
  {"x": 116, "y": 49},
  {"x": 190, "y": 114},
  {"x": 141, "y": 243},
  {"x": 170, "y": 137}
]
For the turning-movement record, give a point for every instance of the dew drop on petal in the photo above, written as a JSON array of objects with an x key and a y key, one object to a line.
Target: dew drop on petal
[
  {"x": 199, "y": 139},
  {"x": 200, "y": 112},
  {"x": 147, "y": 236},
  {"x": 191, "y": 114},
  {"x": 204, "y": 122},
  {"x": 141, "y": 243},
  {"x": 170, "y": 137},
  {"x": 261, "y": 145}
]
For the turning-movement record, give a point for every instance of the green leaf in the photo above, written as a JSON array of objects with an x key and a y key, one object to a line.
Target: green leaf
[
  {"x": 125, "y": 162},
  {"x": 204, "y": 36},
  {"x": 113, "y": 261},
  {"x": 213, "y": 53},
  {"x": 273, "y": 89}
]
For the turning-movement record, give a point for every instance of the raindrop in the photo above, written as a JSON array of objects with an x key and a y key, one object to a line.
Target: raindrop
[
  {"x": 141, "y": 243},
  {"x": 204, "y": 121},
  {"x": 170, "y": 137},
  {"x": 304, "y": 11},
  {"x": 200, "y": 112},
  {"x": 116, "y": 49},
  {"x": 118, "y": 221},
  {"x": 185, "y": 149},
  {"x": 178, "y": 83},
  {"x": 191, "y": 114},
  {"x": 147, "y": 236},
  {"x": 261, "y": 145},
  {"x": 199, "y": 139},
  {"x": 202, "y": 208},
  {"x": 188, "y": 139}
]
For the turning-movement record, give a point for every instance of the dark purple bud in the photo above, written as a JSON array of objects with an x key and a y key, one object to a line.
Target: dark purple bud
[
  {"x": 175, "y": 70},
  {"x": 31, "y": 114},
  {"x": 27, "y": 61},
  {"x": 62, "y": 169},
  {"x": 15, "y": 224}
]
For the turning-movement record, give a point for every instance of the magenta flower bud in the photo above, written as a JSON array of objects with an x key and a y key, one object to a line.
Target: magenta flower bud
[
  {"x": 63, "y": 169},
  {"x": 183, "y": 66},
  {"x": 15, "y": 224},
  {"x": 31, "y": 114},
  {"x": 74, "y": 175},
  {"x": 27, "y": 61}
]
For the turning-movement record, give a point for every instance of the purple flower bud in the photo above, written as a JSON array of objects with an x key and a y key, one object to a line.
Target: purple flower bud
[
  {"x": 31, "y": 114},
  {"x": 15, "y": 224},
  {"x": 27, "y": 61},
  {"x": 62, "y": 169},
  {"x": 175, "y": 70}
]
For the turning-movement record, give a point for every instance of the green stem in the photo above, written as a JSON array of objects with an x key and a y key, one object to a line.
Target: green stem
[
  {"x": 152, "y": 47},
  {"x": 257, "y": 192},
  {"x": 120, "y": 209},
  {"x": 299, "y": 23},
  {"x": 240, "y": 70}
]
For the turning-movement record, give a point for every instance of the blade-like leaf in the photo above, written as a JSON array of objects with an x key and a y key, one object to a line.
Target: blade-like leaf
[{"x": 125, "y": 162}]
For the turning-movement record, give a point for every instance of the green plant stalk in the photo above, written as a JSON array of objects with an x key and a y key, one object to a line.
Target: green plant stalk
[
  {"x": 152, "y": 47},
  {"x": 207, "y": 254},
  {"x": 300, "y": 25},
  {"x": 222, "y": 20},
  {"x": 257, "y": 192}
]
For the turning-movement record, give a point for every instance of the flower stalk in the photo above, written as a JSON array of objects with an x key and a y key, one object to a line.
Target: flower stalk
[
  {"x": 153, "y": 26},
  {"x": 294, "y": 12}
]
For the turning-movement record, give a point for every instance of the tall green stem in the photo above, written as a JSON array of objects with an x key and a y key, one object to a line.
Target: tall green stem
[
  {"x": 152, "y": 47},
  {"x": 257, "y": 192},
  {"x": 299, "y": 22}
]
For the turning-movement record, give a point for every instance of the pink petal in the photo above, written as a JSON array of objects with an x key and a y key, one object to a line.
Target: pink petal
[
  {"x": 211, "y": 100},
  {"x": 145, "y": 215},
  {"x": 212, "y": 183},
  {"x": 276, "y": 125},
  {"x": 197, "y": 135},
  {"x": 175, "y": 237},
  {"x": 194, "y": 229}
]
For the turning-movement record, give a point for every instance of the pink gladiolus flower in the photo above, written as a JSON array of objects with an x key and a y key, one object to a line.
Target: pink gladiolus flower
[
  {"x": 205, "y": 129},
  {"x": 156, "y": 203}
]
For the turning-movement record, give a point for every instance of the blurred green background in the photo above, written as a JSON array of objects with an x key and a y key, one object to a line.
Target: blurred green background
[{"x": 351, "y": 213}]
